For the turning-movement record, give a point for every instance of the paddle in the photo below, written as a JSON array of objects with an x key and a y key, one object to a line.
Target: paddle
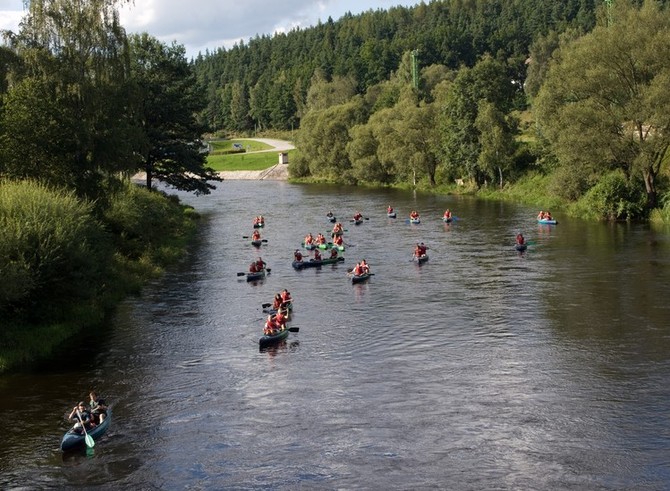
[
  {"x": 266, "y": 305},
  {"x": 293, "y": 329},
  {"x": 87, "y": 438},
  {"x": 267, "y": 270}
]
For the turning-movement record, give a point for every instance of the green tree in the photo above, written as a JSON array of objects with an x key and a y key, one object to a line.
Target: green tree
[
  {"x": 166, "y": 105},
  {"x": 239, "y": 108},
  {"x": 324, "y": 136},
  {"x": 73, "y": 78},
  {"x": 497, "y": 140},
  {"x": 605, "y": 101}
]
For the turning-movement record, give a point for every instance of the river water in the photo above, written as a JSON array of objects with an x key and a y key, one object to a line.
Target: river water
[{"x": 481, "y": 369}]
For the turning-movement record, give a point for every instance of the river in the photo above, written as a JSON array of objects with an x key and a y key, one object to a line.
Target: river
[{"x": 482, "y": 369}]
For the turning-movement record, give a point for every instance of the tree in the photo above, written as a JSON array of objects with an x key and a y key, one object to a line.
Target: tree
[
  {"x": 165, "y": 105},
  {"x": 496, "y": 139},
  {"x": 73, "y": 79},
  {"x": 605, "y": 102},
  {"x": 486, "y": 81}
]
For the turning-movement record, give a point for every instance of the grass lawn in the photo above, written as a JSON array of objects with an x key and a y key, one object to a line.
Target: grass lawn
[{"x": 220, "y": 161}]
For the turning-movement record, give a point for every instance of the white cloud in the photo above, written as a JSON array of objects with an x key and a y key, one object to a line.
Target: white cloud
[{"x": 212, "y": 24}]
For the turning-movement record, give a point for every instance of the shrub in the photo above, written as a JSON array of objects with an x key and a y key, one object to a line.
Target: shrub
[
  {"x": 53, "y": 253},
  {"x": 613, "y": 198}
]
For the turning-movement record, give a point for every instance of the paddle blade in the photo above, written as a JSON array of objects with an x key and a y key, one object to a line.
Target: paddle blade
[
  {"x": 266, "y": 305},
  {"x": 293, "y": 329},
  {"x": 241, "y": 274},
  {"x": 90, "y": 443},
  {"x": 268, "y": 270}
]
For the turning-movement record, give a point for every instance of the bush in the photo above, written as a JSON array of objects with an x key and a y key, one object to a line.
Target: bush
[
  {"x": 613, "y": 198},
  {"x": 53, "y": 253}
]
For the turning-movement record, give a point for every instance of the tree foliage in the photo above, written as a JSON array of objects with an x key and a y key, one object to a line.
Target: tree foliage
[
  {"x": 605, "y": 102},
  {"x": 166, "y": 105}
]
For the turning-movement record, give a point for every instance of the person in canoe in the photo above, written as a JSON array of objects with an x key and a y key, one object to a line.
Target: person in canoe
[
  {"x": 277, "y": 302},
  {"x": 420, "y": 250},
  {"x": 309, "y": 239},
  {"x": 256, "y": 235},
  {"x": 364, "y": 266},
  {"x": 271, "y": 326},
  {"x": 358, "y": 216},
  {"x": 389, "y": 209},
  {"x": 79, "y": 414},
  {"x": 257, "y": 266},
  {"x": 520, "y": 240},
  {"x": 334, "y": 253},
  {"x": 280, "y": 319},
  {"x": 330, "y": 214},
  {"x": 414, "y": 215},
  {"x": 297, "y": 255},
  {"x": 320, "y": 239},
  {"x": 447, "y": 214},
  {"x": 317, "y": 255},
  {"x": 337, "y": 229},
  {"x": 286, "y": 296},
  {"x": 98, "y": 408},
  {"x": 338, "y": 240}
]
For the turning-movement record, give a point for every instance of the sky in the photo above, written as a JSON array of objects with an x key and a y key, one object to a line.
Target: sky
[{"x": 201, "y": 25}]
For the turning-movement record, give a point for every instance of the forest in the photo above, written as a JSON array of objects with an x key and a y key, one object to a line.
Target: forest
[{"x": 561, "y": 99}]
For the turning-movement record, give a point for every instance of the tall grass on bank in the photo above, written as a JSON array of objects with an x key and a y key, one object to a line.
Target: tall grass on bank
[{"x": 63, "y": 268}]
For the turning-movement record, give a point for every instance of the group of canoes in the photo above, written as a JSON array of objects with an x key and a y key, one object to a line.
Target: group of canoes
[{"x": 414, "y": 216}]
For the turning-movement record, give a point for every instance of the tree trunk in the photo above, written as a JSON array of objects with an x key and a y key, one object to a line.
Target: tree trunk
[
  {"x": 149, "y": 176},
  {"x": 650, "y": 186},
  {"x": 501, "y": 177}
]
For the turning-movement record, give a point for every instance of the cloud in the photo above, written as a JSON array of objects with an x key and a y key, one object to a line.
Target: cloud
[{"x": 200, "y": 24}]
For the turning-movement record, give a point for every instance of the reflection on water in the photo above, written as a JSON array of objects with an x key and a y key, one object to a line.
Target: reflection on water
[{"x": 483, "y": 368}]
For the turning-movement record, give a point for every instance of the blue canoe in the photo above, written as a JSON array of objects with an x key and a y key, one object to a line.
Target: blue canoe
[
  {"x": 270, "y": 339},
  {"x": 447, "y": 219},
  {"x": 421, "y": 259},
  {"x": 360, "y": 278},
  {"x": 391, "y": 215},
  {"x": 312, "y": 263},
  {"x": 414, "y": 220},
  {"x": 259, "y": 225},
  {"x": 357, "y": 222},
  {"x": 259, "y": 275},
  {"x": 521, "y": 247},
  {"x": 547, "y": 222},
  {"x": 72, "y": 439},
  {"x": 309, "y": 247},
  {"x": 331, "y": 219}
]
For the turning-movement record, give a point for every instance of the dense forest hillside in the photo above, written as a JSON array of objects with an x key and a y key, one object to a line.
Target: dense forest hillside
[
  {"x": 564, "y": 97},
  {"x": 264, "y": 84}
]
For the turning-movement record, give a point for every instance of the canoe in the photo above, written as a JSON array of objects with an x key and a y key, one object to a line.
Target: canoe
[
  {"x": 414, "y": 220},
  {"x": 360, "y": 278},
  {"x": 259, "y": 225},
  {"x": 314, "y": 264},
  {"x": 357, "y": 222},
  {"x": 309, "y": 246},
  {"x": 447, "y": 220},
  {"x": 547, "y": 222},
  {"x": 72, "y": 439},
  {"x": 257, "y": 243},
  {"x": 270, "y": 339},
  {"x": 325, "y": 245},
  {"x": 421, "y": 259},
  {"x": 391, "y": 215},
  {"x": 332, "y": 219},
  {"x": 339, "y": 248},
  {"x": 259, "y": 275},
  {"x": 521, "y": 247}
]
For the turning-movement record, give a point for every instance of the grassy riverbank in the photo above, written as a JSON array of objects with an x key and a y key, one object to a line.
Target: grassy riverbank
[{"x": 66, "y": 264}]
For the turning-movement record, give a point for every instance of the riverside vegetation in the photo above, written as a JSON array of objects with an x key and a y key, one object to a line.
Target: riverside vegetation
[{"x": 559, "y": 103}]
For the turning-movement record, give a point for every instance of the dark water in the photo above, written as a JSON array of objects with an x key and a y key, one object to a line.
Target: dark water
[{"x": 482, "y": 369}]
